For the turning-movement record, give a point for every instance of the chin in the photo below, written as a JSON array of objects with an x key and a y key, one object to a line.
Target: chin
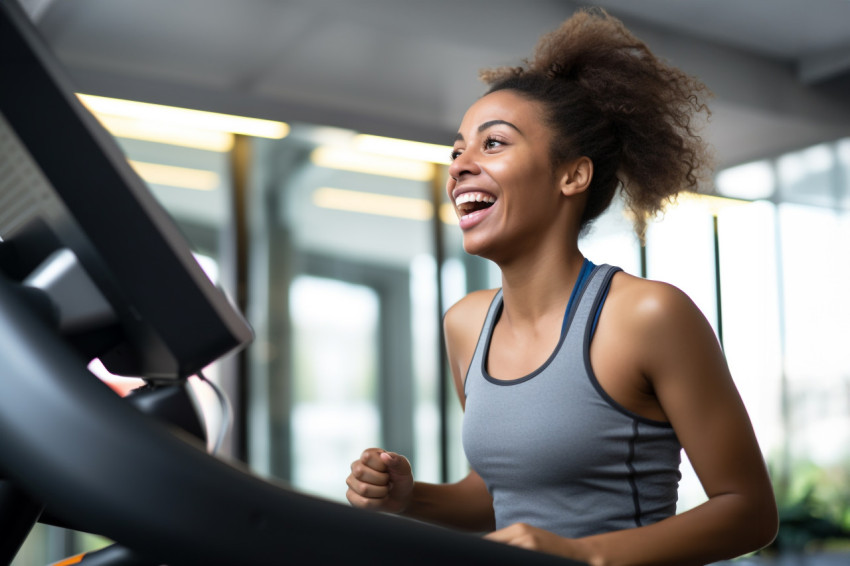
[{"x": 479, "y": 249}]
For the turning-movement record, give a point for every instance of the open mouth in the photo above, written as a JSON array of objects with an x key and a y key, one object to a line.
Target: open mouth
[{"x": 467, "y": 203}]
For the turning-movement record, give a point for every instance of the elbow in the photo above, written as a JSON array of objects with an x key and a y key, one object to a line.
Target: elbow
[
  {"x": 755, "y": 523},
  {"x": 771, "y": 529},
  {"x": 765, "y": 523}
]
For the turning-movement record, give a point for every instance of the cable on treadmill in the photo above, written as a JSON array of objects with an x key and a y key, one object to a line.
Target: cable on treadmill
[{"x": 226, "y": 411}]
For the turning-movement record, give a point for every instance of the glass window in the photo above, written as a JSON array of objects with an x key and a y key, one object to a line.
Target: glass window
[
  {"x": 750, "y": 181},
  {"x": 680, "y": 250},
  {"x": 752, "y": 322},
  {"x": 784, "y": 268},
  {"x": 843, "y": 177},
  {"x": 809, "y": 176},
  {"x": 816, "y": 267},
  {"x": 335, "y": 414},
  {"x": 324, "y": 211}
]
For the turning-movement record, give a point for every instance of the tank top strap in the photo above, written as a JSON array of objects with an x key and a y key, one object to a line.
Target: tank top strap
[{"x": 582, "y": 317}]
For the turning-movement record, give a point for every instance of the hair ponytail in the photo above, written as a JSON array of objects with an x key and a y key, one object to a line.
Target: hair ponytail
[{"x": 607, "y": 96}]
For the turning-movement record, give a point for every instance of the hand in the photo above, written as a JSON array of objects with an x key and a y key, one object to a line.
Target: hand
[
  {"x": 532, "y": 538},
  {"x": 380, "y": 480}
]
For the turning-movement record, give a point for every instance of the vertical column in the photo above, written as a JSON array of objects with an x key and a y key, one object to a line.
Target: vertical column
[
  {"x": 270, "y": 272},
  {"x": 717, "y": 291},
  {"x": 443, "y": 384},
  {"x": 234, "y": 270}
]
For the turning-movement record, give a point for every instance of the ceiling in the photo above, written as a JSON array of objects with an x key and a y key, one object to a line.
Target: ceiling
[{"x": 780, "y": 69}]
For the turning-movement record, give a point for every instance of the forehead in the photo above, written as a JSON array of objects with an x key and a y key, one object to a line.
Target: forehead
[{"x": 504, "y": 105}]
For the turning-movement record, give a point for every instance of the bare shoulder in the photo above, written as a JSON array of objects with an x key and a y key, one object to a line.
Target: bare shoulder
[
  {"x": 663, "y": 328},
  {"x": 470, "y": 311},
  {"x": 462, "y": 324},
  {"x": 643, "y": 304}
]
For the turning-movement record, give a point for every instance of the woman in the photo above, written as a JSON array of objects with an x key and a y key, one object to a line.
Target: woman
[{"x": 581, "y": 383}]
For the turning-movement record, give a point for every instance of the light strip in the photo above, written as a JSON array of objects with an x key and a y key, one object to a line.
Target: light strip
[
  {"x": 383, "y": 205},
  {"x": 182, "y": 177},
  {"x": 373, "y": 203},
  {"x": 360, "y": 162},
  {"x": 711, "y": 203},
  {"x": 185, "y": 117},
  {"x": 392, "y": 147},
  {"x": 132, "y": 128}
]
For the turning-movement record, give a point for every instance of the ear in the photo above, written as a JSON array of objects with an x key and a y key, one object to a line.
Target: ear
[{"x": 576, "y": 176}]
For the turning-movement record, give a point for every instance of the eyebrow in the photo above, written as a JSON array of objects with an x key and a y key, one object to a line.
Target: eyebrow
[{"x": 489, "y": 124}]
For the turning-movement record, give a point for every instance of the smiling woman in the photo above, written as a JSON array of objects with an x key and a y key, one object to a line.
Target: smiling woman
[{"x": 581, "y": 383}]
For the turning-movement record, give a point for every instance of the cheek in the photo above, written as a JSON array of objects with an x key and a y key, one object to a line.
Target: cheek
[{"x": 525, "y": 180}]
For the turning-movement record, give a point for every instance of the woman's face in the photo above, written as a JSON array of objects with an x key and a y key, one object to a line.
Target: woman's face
[{"x": 501, "y": 180}]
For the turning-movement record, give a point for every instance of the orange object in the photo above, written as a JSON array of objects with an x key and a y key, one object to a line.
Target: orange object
[{"x": 70, "y": 560}]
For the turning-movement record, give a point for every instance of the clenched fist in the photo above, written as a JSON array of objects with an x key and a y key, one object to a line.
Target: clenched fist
[{"x": 380, "y": 480}]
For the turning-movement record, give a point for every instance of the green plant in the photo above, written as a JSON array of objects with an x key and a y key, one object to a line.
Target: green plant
[{"x": 814, "y": 509}]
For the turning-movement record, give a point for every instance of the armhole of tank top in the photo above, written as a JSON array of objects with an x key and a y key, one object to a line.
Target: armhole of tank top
[
  {"x": 589, "y": 330},
  {"x": 497, "y": 297}
]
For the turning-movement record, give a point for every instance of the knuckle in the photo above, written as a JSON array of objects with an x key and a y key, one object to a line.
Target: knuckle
[
  {"x": 375, "y": 492},
  {"x": 369, "y": 452}
]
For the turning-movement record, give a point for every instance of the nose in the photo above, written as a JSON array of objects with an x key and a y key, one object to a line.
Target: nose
[{"x": 463, "y": 164}]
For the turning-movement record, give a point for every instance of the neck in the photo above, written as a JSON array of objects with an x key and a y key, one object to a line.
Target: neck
[{"x": 539, "y": 285}]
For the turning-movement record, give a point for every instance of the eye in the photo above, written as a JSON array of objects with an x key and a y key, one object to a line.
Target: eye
[
  {"x": 492, "y": 143},
  {"x": 455, "y": 154}
]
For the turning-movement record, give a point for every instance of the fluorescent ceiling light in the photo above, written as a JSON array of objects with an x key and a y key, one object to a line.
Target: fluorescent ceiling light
[
  {"x": 360, "y": 162},
  {"x": 185, "y": 117},
  {"x": 392, "y": 147},
  {"x": 373, "y": 203},
  {"x": 382, "y": 205},
  {"x": 182, "y": 177},
  {"x": 710, "y": 203},
  {"x": 133, "y": 128}
]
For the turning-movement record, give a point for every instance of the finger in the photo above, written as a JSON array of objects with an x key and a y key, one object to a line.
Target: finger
[
  {"x": 368, "y": 490},
  {"x": 372, "y": 458},
  {"x": 518, "y": 534},
  {"x": 508, "y": 538},
  {"x": 499, "y": 536},
  {"x": 369, "y": 475},
  {"x": 357, "y": 500},
  {"x": 506, "y": 534},
  {"x": 395, "y": 463}
]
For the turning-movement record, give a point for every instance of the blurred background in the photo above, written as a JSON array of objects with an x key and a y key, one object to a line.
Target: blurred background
[{"x": 324, "y": 216}]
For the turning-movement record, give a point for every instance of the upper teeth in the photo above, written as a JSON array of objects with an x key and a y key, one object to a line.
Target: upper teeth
[{"x": 474, "y": 197}]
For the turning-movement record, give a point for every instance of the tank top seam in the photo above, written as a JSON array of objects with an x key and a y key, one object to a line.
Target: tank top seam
[
  {"x": 630, "y": 459},
  {"x": 555, "y": 353},
  {"x": 591, "y": 375}
]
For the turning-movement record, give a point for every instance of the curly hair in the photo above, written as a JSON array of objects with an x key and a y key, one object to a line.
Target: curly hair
[{"x": 608, "y": 97}]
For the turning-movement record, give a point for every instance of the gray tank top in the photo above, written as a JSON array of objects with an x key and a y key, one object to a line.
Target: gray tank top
[{"x": 554, "y": 449}]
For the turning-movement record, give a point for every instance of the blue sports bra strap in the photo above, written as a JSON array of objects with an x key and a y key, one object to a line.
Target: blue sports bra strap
[
  {"x": 587, "y": 268},
  {"x": 608, "y": 275}
]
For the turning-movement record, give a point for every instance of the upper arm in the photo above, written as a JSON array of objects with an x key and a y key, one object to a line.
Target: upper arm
[
  {"x": 687, "y": 370},
  {"x": 462, "y": 325}
]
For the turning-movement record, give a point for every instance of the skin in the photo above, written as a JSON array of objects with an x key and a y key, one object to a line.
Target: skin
[{"x": 653, "y": 352}]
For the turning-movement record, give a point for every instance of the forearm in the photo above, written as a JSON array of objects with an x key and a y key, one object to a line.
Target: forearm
[
  {"x": 724, "y": 527},
  {"x": 464, "y": 505}
]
